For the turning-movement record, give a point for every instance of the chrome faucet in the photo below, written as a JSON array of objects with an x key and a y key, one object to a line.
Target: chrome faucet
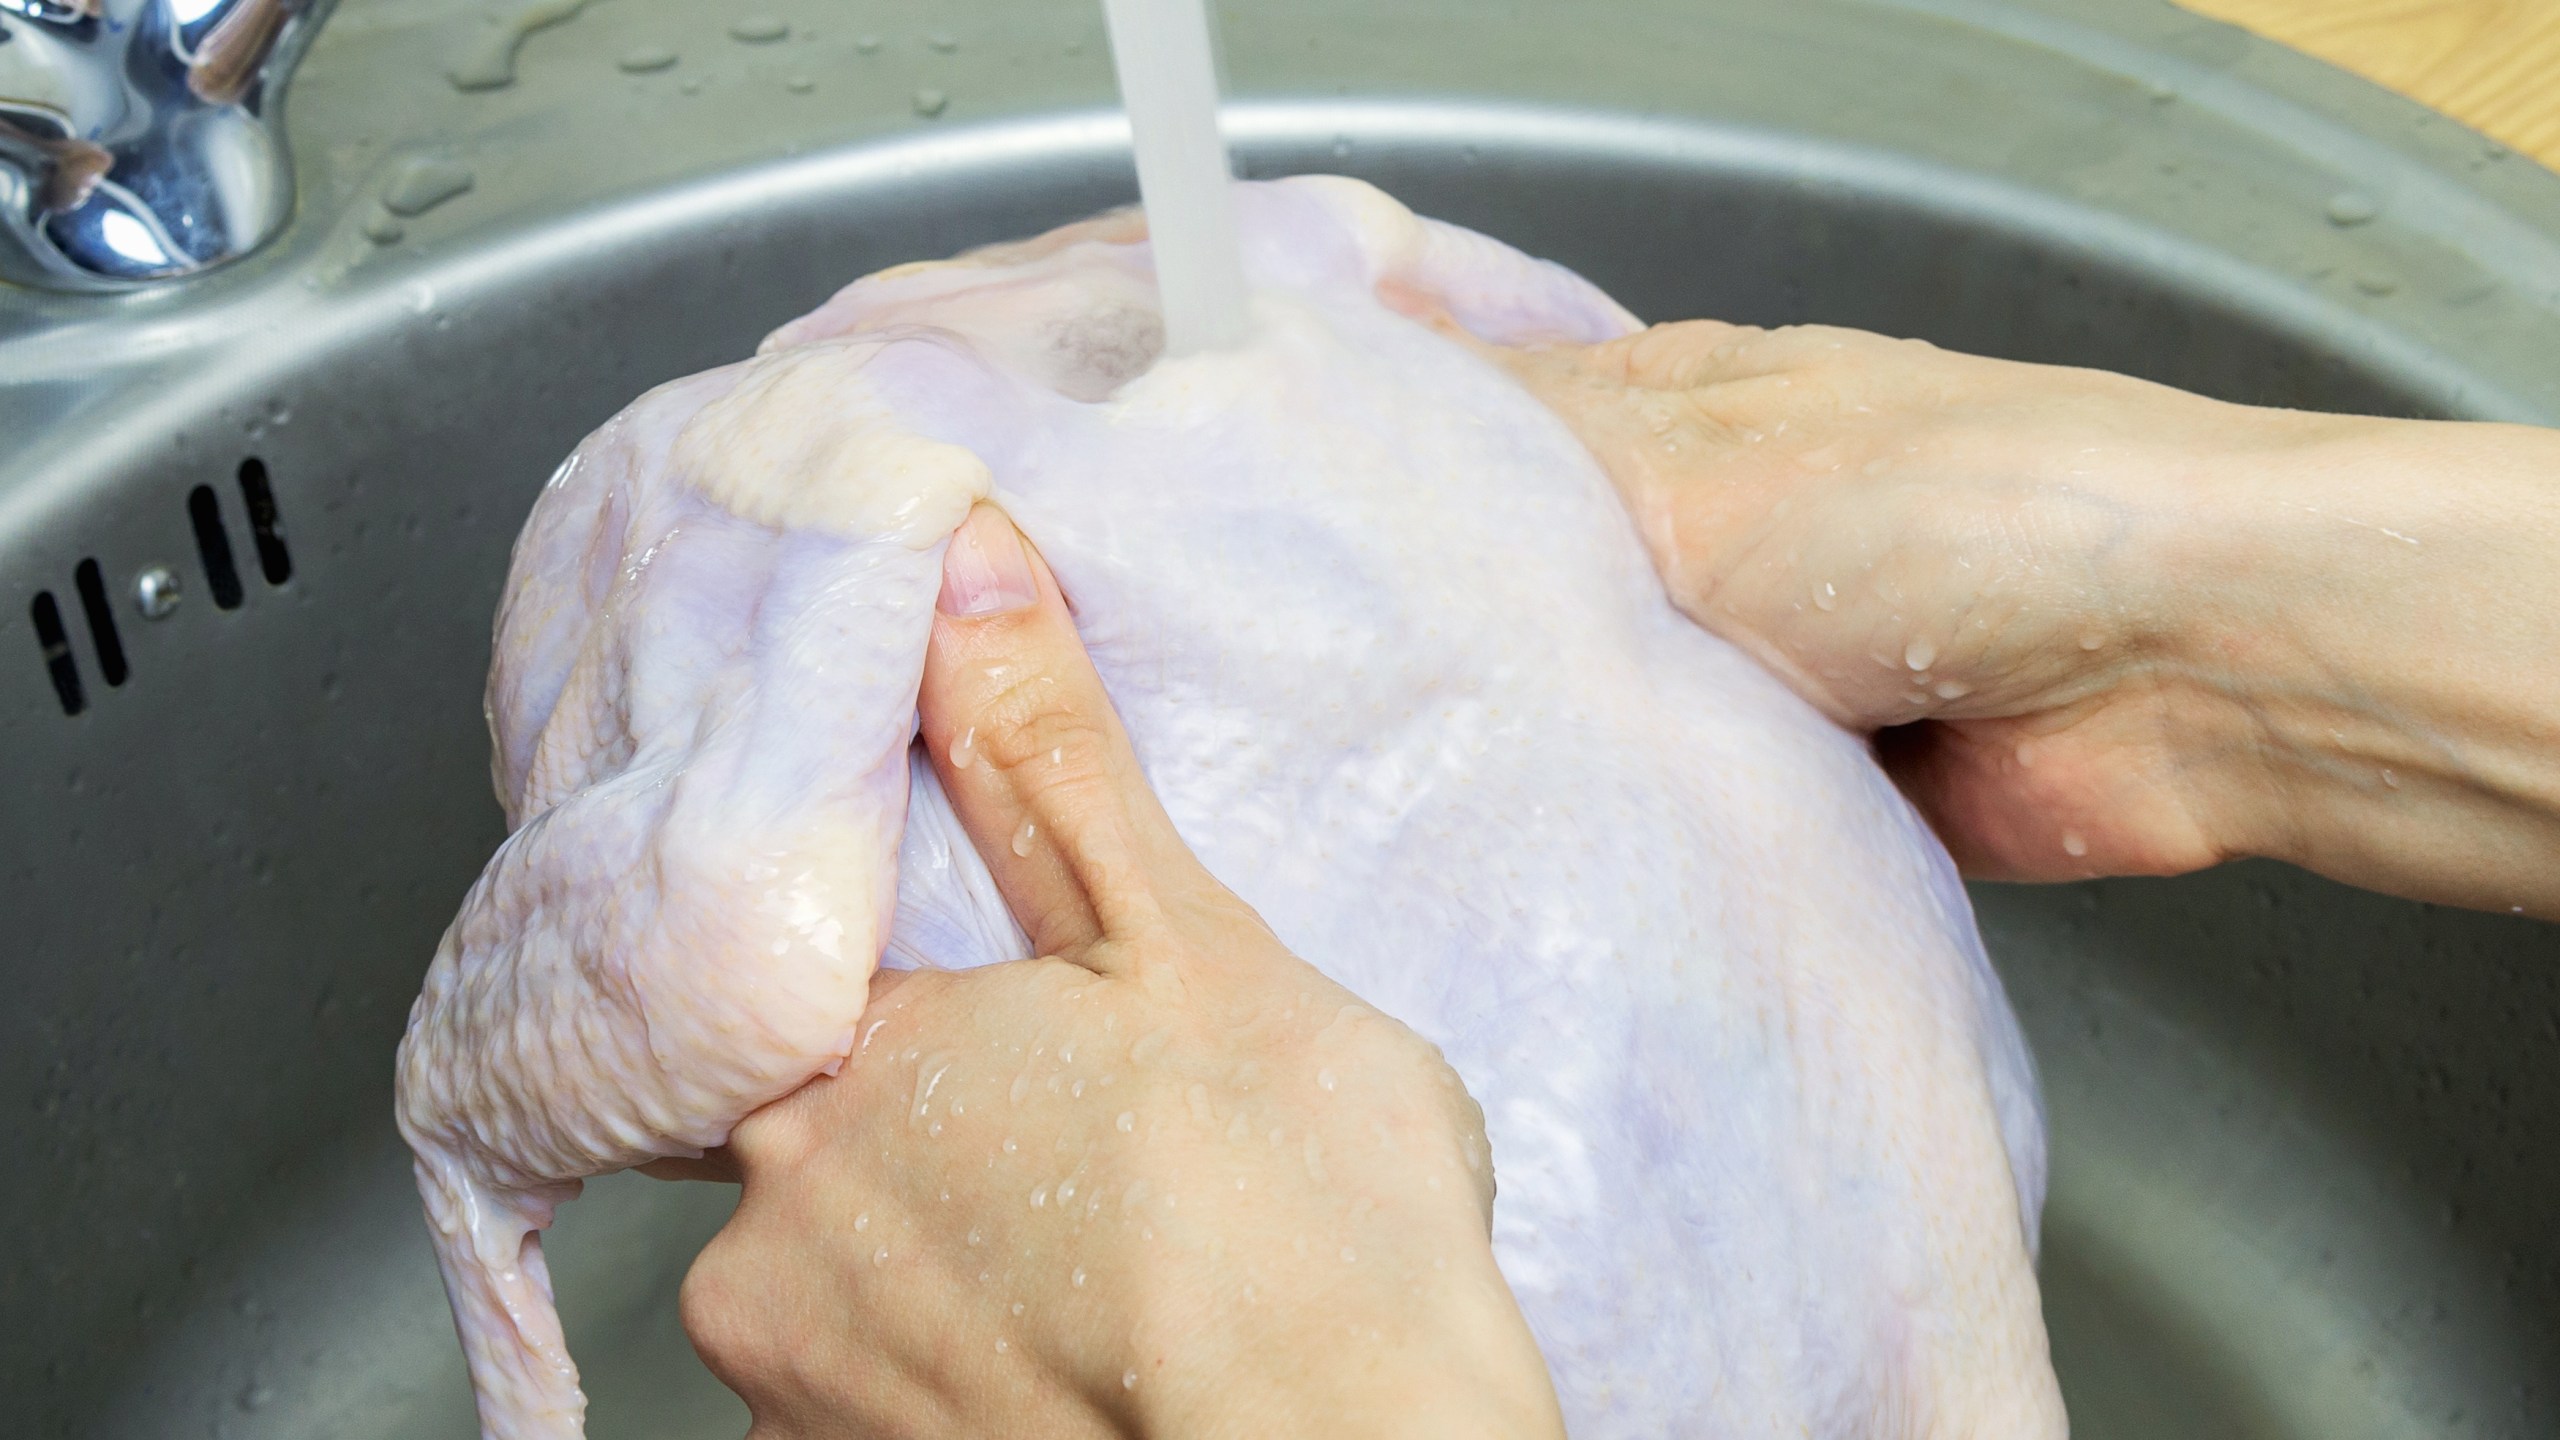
[{"x": 142, "y": 139}]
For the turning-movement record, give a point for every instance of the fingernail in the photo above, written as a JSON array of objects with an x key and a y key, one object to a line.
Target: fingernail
[{"x": 986, "y": 572}]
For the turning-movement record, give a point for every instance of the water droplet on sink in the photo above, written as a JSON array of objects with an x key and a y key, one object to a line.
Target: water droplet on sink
[
  {"x": 490, "y": 63},
  {"x": 645, "y": 59},
  {"x": 384, "y": 229},
  {"x": 759, "y": 29},
  {"x": 931, "y": 102},
  {"x": 799, "y": 84},
  {"x": 2352, "y": 207},
  {"x": 866, "y": 44},
  {"x": 942, "y": 42},
  {"x": 422, "y": 183}
]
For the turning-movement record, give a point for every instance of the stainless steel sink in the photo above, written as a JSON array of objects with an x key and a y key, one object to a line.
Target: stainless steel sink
[{"x": 2307, "y": 1141}]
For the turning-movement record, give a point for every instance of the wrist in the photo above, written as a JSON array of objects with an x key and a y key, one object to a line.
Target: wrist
[{"x": 2363, "y": 619}]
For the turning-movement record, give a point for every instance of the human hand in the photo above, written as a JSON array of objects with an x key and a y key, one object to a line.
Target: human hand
[
  {"x": 1165, "y": 1180},
  {"x": 2102, "y": 626}
]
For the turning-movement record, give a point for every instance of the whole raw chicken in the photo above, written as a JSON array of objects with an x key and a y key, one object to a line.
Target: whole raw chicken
[{"x": 1768, "y": 1142}]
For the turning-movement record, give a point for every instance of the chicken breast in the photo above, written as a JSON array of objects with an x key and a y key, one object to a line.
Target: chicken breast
[{"x": 1768, "y": 1141}]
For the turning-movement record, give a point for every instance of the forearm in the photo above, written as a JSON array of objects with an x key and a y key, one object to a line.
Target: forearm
[{"x": 2378, "y": 622}]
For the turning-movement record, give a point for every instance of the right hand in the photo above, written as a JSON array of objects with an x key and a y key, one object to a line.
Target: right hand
[{"x": 2101, "y": 626}]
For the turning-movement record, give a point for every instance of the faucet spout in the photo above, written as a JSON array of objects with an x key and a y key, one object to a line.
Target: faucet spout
[{"x": 142, "y": 140}]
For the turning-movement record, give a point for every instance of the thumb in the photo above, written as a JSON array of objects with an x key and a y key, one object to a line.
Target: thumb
[{"x": 1031, "y": 752}]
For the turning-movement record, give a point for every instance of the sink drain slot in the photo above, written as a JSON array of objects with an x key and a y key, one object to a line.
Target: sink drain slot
[
  {"x": 56, "y": 645},
  {"x": 213, "y": 547},
  {"x": 92, "y": 583},
  {"x": 266, "y": 527}
]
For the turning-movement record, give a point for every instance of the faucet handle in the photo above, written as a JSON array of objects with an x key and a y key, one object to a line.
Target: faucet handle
[{"x": 141, "y": 140}]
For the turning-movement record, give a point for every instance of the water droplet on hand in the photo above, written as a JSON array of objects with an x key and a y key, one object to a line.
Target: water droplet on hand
[
  {"x": 1127, "y": 1123},
  {"x": 2074, "y": 844},
  {"x": 1022, "y": 847},
  {"x": 1920, "y": 654}
]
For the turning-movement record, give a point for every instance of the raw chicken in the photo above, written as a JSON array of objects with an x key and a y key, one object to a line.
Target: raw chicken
[{"x": 1768, "y": 1142}]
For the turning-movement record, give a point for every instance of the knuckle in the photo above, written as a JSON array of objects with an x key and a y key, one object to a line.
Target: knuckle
[
  {"x": 710, "y": 1306},
  {"x": 1062, "y": 743}
]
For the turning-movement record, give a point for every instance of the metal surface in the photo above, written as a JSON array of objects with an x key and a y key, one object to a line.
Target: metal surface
[
  {"x": 2303, "y": 1137},
  {"x": 138, "y": 138}
]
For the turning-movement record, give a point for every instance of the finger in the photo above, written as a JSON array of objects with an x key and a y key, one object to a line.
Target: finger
[{"x": 1033, "y": 756}]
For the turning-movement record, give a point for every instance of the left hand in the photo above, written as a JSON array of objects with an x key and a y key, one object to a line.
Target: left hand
[{"x": 1166, "y": 1180}]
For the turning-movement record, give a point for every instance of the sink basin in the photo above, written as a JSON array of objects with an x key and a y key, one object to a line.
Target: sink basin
[{"x": 2303, "y": 1169}]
